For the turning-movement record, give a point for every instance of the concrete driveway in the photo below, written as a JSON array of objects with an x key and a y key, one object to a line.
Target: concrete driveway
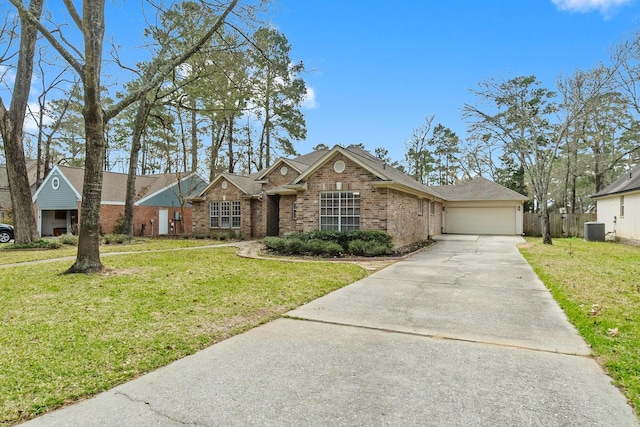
[{"x": 461, "y": 334}]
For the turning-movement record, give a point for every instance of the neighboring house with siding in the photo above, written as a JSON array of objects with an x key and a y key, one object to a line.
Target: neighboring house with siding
[
  {"x": 342, "y": 189},
  {"x": 618, "y": 207},
  {"x": 160, "y": 206}
]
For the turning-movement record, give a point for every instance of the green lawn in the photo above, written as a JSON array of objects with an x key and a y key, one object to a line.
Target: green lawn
[
  {"x": 598, "y": 286},
  {"x": 9, "y": 256},
  {"x": 65, "y": 337}
]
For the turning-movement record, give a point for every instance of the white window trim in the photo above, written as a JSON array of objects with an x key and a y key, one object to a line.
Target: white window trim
[
  {"x": 341, "y": 211},
  {"x": 225, "y": 215}
]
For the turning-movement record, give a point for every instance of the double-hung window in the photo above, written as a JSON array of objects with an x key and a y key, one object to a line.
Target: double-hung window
[
  {"x": 214, "y": 215},
  {"x": 340, "y": 211},
  {"x": 224, "y": 214},
  {"x": 235, "y": 214}
]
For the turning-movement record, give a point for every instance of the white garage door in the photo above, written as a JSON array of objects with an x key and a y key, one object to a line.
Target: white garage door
[{"x": 480, "y": 220}]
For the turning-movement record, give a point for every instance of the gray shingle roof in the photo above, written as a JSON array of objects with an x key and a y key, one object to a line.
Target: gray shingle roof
[
  {"x": 477, "y": 189},
  {"x": 114, "y": 184},
  {"x": 246, "y": 184},
  {"x": 389, "y": 172},
  {"x": 629, "y": 181}
]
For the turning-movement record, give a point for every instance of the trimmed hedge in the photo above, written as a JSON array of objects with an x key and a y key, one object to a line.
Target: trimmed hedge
[{"x": 332, "y": 243}]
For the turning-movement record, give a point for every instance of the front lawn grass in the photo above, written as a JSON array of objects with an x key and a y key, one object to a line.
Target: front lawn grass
[
  {"x": 597, "y": 284},
  {"x": 65, "y": 337},
  {"x": 10, "y": 256}
]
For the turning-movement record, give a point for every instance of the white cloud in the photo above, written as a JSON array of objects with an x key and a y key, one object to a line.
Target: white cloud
[
  {"x": 309, "y": 101},
  {"x": 30, "y": 123},
  {"x": 604, "y": 6}
]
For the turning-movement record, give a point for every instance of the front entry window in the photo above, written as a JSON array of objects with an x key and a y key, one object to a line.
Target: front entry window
[
  {"x": 339, "y": 211},
  {"x": 224, "y": 214}
]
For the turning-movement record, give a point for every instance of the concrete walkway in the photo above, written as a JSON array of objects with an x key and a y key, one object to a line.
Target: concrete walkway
[{"x": 461, "y": 334}]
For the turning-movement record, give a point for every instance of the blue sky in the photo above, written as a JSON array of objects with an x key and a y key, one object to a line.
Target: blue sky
[{"x": 378, "y": 68}]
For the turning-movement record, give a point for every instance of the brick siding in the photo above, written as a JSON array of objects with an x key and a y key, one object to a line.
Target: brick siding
[
  {"x": 110, "y": 214},
  {"x": 201, "y": 210},
  {"x": 385, "y": 209}
]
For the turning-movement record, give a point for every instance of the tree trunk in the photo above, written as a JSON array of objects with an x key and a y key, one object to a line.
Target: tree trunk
[
  {"x": 144, "y": 107},
  {"x": 546, "y": 227},
  {"x": 230, "y": 144},
  {"x": 194, "y": 140},
  {"x": 11, "y": 128},
  {"x": 88, "y": 258}
]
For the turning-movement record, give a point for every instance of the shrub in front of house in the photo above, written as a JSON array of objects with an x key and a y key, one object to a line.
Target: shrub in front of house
[
  {"x": 38, "y": 244},
  {"x": 275, "y": 244},
  {"x": 376, "y": 236},
  {"x": 332, "y": 243},
  {"x": 319, "y": 247},
  {"x": 370, "y": 248},
  {"x": 109, "y": 239},
  {"x": 68, "y": 239}
]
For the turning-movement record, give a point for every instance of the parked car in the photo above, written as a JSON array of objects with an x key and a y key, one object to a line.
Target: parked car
[{"x": 6, "y": 233}]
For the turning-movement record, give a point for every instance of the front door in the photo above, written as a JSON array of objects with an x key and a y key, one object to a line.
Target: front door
[
  {"x": 163, "y": 222},
  {"x": 273, "y": 215}
]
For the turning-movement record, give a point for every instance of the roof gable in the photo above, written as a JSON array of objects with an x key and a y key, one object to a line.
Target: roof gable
[
  {"x": 71, "y": 179},
  {"x": 629, "y": 181},
  {"x": 57, "y": 191},
  {"x": 114, "y": 184},
  {"x": 384, "y": 173},
  {"x": 328, "y": 155},
  {"x": 164, "y": 184},
  {"x": 477, "y": 189},
  {"x": 246, "y": 184}
]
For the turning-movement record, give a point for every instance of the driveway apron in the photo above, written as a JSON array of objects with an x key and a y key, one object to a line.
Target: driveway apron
[{"x": 461, "y": 334}]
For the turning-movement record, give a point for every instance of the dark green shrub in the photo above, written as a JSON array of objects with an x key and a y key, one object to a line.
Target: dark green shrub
[
  {"x": 296, "y": 235},
  {"x": 53, "y": 244},
  {"x": 368, "y": 248},
  {"x": 275, "y": 244},
  {"x": 118, "y": 227},
  {"x": 68, "y": 239},
  {"x": 332, "y": 243},
  {"x": 378, "y": 236},
  {"x": 38, "y": 244},
  {"x": 293, "y": 246},
  {"x": 109, "y": 239},
  {"x": 322, "y": 248}
]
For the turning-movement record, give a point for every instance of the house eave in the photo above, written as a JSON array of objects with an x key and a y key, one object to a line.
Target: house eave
[
  {"x": 281, "y": 192},
  {"x": 405, "y": 189},
  {"x": 616, "y": 193},
  {"x": 296, "y": 187}
]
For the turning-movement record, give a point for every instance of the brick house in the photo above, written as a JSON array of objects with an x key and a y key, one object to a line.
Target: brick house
[
  {"x": 348, "y": 189},
  {"x": 160, "y": 206},
  {"x": 332, "y": 189}
]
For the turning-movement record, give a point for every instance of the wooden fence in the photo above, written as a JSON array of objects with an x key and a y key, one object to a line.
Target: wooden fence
[{"x": 562, "y": 225}]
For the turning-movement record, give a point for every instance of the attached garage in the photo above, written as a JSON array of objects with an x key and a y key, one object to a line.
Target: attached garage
[
  {"x": 481, "y": 206},
  {"x": 480, "y": 220}
]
